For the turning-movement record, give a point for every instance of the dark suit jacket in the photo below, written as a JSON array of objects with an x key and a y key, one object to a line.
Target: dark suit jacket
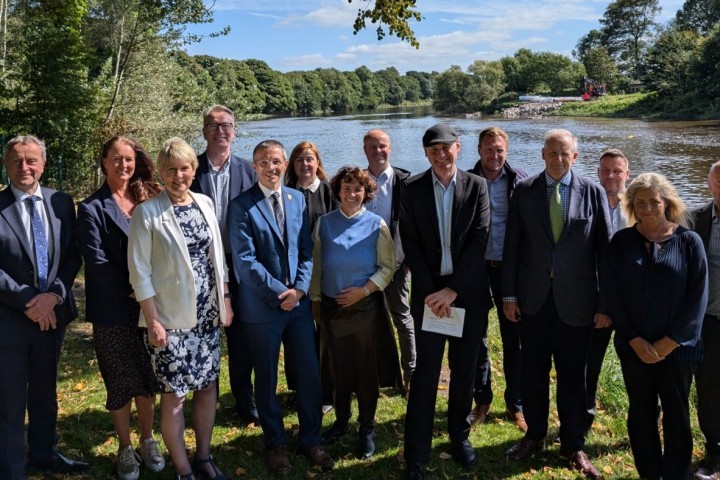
[
  {"x": 576, "y": 262},
  {"x": 421, "y": 240},
  {"x": 242, "y": 176},
  {"x": 262, "y": 260},
  {"x": 514, "y": 175},
  {"x": 17, "y": 275},
  {"x": 102, "y": 232},
  {"x": 703, "y": 223},
  {"x": 399, "y": 178}
]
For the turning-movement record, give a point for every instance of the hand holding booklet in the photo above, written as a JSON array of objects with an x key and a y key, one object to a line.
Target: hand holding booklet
[{"x": 452, "y": 325}]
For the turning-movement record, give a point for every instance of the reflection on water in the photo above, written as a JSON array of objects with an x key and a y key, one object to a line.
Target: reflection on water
[{"x": 683, "y": 151}]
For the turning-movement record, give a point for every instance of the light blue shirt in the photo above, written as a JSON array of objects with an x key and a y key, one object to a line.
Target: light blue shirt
[
  {"x": 382, "y": 203},
  {"x": 499, "y": 206},
  {"x": 220, "y": 181},
  {"x": 617, "y": 221},
  {"x": 713, "y": 256},
  {"x": 443, "y": 207}
]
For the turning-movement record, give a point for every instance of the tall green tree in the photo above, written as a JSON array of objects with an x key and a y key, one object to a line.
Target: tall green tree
[
  {"x": 601, "y": 67},
  {"x": 47, "y": 91},
  {"x": 490, "y": 79},
  {"x": 699, "y": 15},
  {"x": 671, "y": 60},
  {"x": 628, "y": 27}
]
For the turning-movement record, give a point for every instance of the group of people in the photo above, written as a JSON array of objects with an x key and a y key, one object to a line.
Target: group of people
[{"x": 277, "y": 254}]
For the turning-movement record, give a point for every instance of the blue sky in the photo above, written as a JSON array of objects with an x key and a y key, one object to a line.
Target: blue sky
[{"x": 308, "y": 34}]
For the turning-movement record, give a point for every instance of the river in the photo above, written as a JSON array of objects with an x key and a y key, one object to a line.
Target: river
[{"x": 683, "y": 151}]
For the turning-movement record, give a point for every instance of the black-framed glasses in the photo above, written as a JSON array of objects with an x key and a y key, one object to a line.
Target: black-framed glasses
[{"x": 224, "y": 126}]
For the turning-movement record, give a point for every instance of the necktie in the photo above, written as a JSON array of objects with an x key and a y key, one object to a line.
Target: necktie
[
  {"x": 279, "y": 216},
  {"x": 41, "y": 246},
  {"x": 556, "y": 212}
]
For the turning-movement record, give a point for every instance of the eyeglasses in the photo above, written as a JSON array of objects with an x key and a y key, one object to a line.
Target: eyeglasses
[
  {"x": 224, "y": 126},
  {"x": 267, "y": 163}
]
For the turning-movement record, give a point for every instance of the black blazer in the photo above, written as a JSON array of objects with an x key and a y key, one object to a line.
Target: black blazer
[
  {"x": 703, "y": 223},
  {"x": 421, "y": 239},
  {"x": 102, "y": 233},
  {"x": 242, "y": 176},
  {"x": 400, "y": 177},
  {"x": 17, "y": 274}
]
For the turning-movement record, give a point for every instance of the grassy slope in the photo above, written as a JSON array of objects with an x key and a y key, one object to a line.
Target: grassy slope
[
  {"x": 86, "y": 430},
  {"x": 627, "y": 105}
]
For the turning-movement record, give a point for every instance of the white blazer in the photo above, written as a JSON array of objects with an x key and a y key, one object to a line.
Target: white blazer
[{"x": 159, "y": 261}]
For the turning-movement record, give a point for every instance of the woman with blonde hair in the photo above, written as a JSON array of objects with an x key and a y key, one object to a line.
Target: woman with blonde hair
[
  {"x": 177, "y": 269},
  {"x": 657, "y": 292}
]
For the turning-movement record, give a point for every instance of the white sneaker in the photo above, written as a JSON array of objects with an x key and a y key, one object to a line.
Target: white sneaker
[
  {"x": 128, "y": 467},
  {"x": 150, "y": 454}
]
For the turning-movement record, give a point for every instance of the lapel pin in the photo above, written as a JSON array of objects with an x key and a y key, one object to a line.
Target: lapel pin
[{"x": 289, "y": 196}]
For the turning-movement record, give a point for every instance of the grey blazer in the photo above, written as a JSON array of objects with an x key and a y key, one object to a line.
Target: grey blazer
[{"x": 574, "y": 267}]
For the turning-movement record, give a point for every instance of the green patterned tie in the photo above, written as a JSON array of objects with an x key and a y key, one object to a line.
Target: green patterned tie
[{"x": 556, "y": 212}]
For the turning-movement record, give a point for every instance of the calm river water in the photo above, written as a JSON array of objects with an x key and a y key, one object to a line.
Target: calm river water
[{"x": 683, "y": 151}]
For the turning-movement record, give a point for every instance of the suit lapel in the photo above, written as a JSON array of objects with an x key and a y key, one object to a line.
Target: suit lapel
[
  {"x": 430, "y": 207},
  {"x": 55, "y": 229},
  {"x": 171, "y": 225},
  {"x": 458, "y": 199},
  {"x": 113, "y": 211},
  {"x": 9, "y": 209},
  {"x": 264, "y": 206},
  {"x": 539, "y": 189},
  {"x": 203, "y": 174},
  {"x": 577, "y": 192}
]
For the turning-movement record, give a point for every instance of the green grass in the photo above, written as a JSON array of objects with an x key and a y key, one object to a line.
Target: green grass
[
  {"x": 626, "y": 105},
  {"x": 86, "y": 430}
]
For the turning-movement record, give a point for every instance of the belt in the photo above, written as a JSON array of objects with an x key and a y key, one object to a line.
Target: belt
[{"x": 494, "y": 263}]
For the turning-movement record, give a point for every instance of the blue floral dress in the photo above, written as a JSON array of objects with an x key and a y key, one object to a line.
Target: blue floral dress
[{"x": 191, "y": 359}]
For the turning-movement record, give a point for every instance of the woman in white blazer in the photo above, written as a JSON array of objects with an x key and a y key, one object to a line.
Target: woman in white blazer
[{"x": 178, "y": 272}]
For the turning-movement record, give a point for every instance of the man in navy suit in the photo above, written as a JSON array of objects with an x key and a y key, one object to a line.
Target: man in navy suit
[
  {"x": 557, "y": 234},
  {"x": 38, "y": 264},
  {"x": 222, "y": 176},
  {"x": 444, "y": 226},
  {"x": 272, "y": 255}
]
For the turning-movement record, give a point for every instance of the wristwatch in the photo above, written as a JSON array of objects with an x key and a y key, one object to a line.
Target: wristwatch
[{"x": 367, "y": 292}]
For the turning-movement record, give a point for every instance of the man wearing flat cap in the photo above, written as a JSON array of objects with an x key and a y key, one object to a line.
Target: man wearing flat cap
[{"x": 444, "y": 225}]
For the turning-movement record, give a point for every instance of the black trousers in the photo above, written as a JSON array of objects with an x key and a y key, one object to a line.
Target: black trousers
[
  {"x": 545, "y": 338},
  {"x": 708, "y": 388},
  {"x": 598, "y": 346},
  {"x": 352, "y": 337},
  {"x": 462, "y": 358},
  {"x": 668, "y": 380},
  {"x": 511, "y": 353}
]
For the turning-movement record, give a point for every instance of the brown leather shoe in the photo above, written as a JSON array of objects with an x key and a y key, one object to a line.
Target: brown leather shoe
[
  {"x": 479, "y": 414},
  {"x": 278, "y": 460},
  {"x": 318, "y": 456},
  {"x": 519, "y": 419},
  {"x": 582, "y": 464},
  {"x": 526, "y": 448}
]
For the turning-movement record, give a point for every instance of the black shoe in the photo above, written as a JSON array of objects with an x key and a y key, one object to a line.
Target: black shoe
[
  {"x": 366, "y": 445},
  {"x": 57, "y": 463},
  {"x": 463, "y": 453},
  {"x": 248, "y": 415},
  {"x": 415, "y": 471},
  {"x": 333, "y": 433}
]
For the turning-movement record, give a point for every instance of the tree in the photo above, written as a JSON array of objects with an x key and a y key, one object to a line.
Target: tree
[
  {"x": 671, "y": 60},
  {"x": 590, "y": 41},
  {"x": 699, "y": 15},
  {"x": 426, "y": 81},
  {"x": 391, "y": 14},
  {"x": 120, "y": 28},
  {"x": 395, "y": 93},
  {"x": 490, "y": 79},
  {"x": 707, "y": 69},
  {"x": 371, "y": 91},
  {"x": 600, "y": 66},
  {"x": 453, "y": 90},
  {"x": 627, "y": 28},
  {"x": 47, "y": 91},
  {"x": 279, "y": 94}
]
